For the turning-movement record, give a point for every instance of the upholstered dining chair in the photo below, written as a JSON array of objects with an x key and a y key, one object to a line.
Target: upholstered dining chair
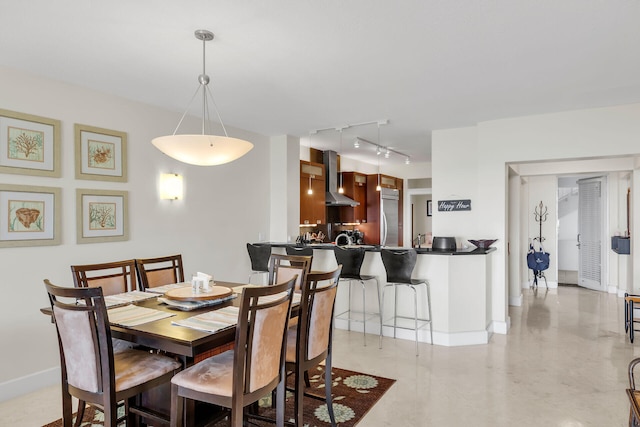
[
  {"x": 399, "y": 265},
  {"x": 634, "y": 395},
  {"x": 310, "y": 342},
  {"x": 259, "y": 255},
  {"x": 153, "y": 272},
  {"x": 351, "y": 260},
  {"x": 114, "y": 277},
  {"x": 91, "y": 371},
  {"x": 283, "y": 267},
  {"x": 252, "y": 369}
]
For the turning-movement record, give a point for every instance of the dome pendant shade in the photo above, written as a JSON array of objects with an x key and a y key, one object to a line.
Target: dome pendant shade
[{"x": 202, "y": 150}]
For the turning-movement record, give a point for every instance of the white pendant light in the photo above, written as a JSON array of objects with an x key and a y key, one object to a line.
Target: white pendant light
[{"x": 202, "y": 150}]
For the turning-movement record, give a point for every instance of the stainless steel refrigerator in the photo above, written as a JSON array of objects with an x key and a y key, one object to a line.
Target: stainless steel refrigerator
[{"x": 389, "y": 227}]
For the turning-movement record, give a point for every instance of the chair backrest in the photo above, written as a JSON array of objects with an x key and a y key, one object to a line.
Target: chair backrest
[
  {"x": 153, "y": 272},
  {"x": 114, "y": 277},
  {"x": 351, "y": 260},
  {"x": 284, "y": 267},
  {"x": 259, "y": 256},
  {"x": 261, "y": 333},
  {"x": 399, "y": 264},
  {"x": 294, "y": 250},
  {"x": 84, "y": 337},
  {"x": 315, "y": 327}
]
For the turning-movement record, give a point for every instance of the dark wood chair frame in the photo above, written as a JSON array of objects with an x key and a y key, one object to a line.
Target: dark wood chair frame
[
  {"x": 315, "y": 285},
  {"x": 634, "y": 396},
  {"x": 297, "y": 262},
  {"x": 172, "y": 263},
  {"x": 126, "y": 273},
  {"x": 106, "y": 397},
  {"x": 245, "y": 330}
]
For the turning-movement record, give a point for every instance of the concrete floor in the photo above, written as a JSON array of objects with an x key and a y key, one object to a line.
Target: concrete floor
[{"x": 562, "y": 364}]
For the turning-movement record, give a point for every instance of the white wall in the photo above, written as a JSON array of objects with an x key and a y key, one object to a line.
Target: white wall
[
  {"x": 582, "y": 134},
  {"x": 223, "y": 208}
]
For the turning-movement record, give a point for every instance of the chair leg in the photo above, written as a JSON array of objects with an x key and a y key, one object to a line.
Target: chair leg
[
  {"x": 67, "y": 412},
  {"x": 280, "y": 398},
  {"x": 328, "y": 382},
  {"x": 349, "y": 307},
  {"x": 631, "y": 327},
  {"x": 80, "y": 414},
  {"x": 364, "y": 316},
  {"x": 177, "y": 407},
  {"x": 395, "y": 310},
  {"x": 381, "y": 304},
  {"x": 111, "y": 414},
  {"x": 626, "y": 313},
  {"x": 415, "y": 313},
  {"x": 429, "y": 310},
  {"x": 237, "y": 416},
  {"x": 307, "y": 381},
  {"x": 298, "y": 391}
]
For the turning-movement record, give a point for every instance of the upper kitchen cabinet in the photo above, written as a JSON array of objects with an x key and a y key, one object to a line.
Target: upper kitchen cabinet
[
  {"x": 312, "y": 203},
  {"x": 355, "y": 187}
]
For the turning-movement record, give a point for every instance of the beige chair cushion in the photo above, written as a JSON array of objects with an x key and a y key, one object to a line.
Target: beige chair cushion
[
  {"x": 134, "y": 367},
  {"x": 213, "y": 375}
]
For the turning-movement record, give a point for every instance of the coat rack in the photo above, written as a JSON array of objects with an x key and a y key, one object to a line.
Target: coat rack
[{"x": 540, "y": 213}]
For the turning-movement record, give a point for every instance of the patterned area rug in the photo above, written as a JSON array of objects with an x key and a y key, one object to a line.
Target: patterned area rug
[{"x": 354, "y": 394}]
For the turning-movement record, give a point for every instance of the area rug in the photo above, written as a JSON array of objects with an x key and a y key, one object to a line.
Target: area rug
[{"x": 354, "y": 394}]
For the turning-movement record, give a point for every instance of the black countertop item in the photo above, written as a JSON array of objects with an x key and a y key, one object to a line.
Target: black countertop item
[{"x": 377, "y": 248}]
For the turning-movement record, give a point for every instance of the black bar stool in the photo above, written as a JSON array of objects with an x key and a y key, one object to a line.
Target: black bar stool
[
  {"x": 351, "y": 260},
  {"x": 399, "y": 265},
  {"x": 259, "y": 255}
]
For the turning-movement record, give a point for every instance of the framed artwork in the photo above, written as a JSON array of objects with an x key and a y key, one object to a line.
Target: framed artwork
[
  {"x": 101, "y": 154},
  {"x": 102, "y": 216},
  {"x": 29, "y": 145},
  {"x": 29, "y": 215},
  {"x": 429, "y": 211}
]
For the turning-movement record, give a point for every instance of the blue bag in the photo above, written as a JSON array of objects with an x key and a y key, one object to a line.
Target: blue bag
[{"x": 537, "y": 260}]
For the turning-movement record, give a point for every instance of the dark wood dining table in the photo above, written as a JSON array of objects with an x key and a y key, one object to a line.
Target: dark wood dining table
[{"x": 187, "y": 344}]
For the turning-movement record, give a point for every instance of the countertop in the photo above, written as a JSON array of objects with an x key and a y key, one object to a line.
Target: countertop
[{"x": 377, "y": 248}]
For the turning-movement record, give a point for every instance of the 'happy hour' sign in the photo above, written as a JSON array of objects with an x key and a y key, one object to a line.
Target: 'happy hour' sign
[{"x": 454, "y": 205}]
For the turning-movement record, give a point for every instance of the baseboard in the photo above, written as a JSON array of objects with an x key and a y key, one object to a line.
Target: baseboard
[
  {"x": 516, "y": 301},
  {"x": 613, "y": 290},
  {"x": 500, "y": 327},
  {"x": 29, "y": 383}
]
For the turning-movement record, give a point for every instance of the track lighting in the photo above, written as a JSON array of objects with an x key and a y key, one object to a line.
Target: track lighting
[{"x": 356, "y": 143}]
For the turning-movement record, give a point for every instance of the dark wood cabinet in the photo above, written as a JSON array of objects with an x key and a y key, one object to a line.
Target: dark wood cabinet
[
  {"x": 312, "y": 206},
  {"x": 355, "y": 187}
]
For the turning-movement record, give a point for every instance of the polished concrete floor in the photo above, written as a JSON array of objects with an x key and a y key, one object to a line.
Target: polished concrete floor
[{"x": 562, "y": 364}]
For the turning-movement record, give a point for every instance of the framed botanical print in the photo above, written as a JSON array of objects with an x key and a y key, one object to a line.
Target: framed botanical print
[
  {"x": 29, "y": 215},
  {"x": 101, "y": 154},
  {"x": 102, "y": 216},
  {"x": 29, "y": 145}
]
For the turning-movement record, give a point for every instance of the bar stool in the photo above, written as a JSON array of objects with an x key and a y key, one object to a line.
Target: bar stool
[
  {"x": 294, "y": 250},
  {"x": 399, "y": 265},
  {"x": 351, "y": 260},
  {"x": 259, "y": 255}
]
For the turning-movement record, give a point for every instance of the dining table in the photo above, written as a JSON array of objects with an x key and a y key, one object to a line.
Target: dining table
[{"x": 187, "y": 344}]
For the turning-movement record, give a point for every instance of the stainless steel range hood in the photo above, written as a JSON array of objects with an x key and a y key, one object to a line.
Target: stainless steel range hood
[{"x": 330, "y": 160}]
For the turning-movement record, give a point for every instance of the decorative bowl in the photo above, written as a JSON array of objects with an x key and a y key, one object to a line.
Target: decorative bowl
[{"x": 482, "y": 244}]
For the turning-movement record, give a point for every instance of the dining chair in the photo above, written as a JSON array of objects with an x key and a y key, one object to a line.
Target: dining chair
[
  {"x": 153, "y": 272},
  {"x": 283, "y": 267},
  {"x": 634, "y": 395},
  {"x": 252, "y": 369},
  {"x": 294, "y": 250},
  {"x": 310, "y": 342},
  {"x": 259, "y": 255},
  {"x": 114, "y": 277},
  {"x": 351, "y": 260},
  {"x": 91, "y": 371},
  {"x": 399, "y": 265}
]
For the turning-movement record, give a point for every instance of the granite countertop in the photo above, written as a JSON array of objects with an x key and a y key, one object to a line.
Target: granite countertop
[{"x": 376, "y": 248}]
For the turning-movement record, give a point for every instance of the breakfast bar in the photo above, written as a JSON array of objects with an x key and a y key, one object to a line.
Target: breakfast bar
[{"x": 460, "y": 290}]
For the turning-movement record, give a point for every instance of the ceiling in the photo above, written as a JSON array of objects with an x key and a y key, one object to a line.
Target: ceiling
[{"x": 293, "y": 67}]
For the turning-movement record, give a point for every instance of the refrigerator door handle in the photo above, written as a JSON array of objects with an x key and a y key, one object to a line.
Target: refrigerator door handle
[{"x": 384, "y": 228}]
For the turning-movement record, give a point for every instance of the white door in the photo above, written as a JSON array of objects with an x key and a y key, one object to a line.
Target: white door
[{"x": 590, "y": 226}]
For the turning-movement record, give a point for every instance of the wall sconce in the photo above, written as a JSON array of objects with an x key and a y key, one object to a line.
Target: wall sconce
[{"x": 170, "y": 186}]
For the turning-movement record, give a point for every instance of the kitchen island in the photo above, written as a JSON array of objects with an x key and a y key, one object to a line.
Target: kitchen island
[{"x": 460, "y": 282}]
